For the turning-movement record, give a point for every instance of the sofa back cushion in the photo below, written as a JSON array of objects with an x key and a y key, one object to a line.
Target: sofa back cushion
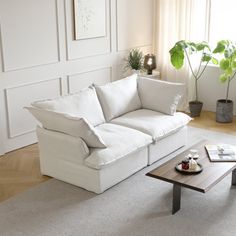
[
  {"x": 160, "y": 96},
  {"x": 64, "y": 123},
  {"x": 82, "y": 104},
  {"x": 119, "y": 97}
]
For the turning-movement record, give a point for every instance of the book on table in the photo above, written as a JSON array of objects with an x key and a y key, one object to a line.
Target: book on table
[{"x": 221, "y": 152}]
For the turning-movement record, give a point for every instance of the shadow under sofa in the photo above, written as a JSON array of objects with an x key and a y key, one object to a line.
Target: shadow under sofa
[{"x": 134, "y": 128}]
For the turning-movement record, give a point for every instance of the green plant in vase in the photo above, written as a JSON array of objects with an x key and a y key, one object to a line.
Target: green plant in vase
[
  {"x": 134, "y": 60},
  {"x": 185, "y": 50},
  {"x": 227, "y": 63}
]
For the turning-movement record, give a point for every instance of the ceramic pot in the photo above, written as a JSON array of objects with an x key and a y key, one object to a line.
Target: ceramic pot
[
  {"x": 137, "y": 72},
  {"x": 224, "y": 111},
  {"x": 195, "y": 108}
]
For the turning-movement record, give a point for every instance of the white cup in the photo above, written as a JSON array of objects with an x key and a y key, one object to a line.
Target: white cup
[{"x": 194, "y": 153}]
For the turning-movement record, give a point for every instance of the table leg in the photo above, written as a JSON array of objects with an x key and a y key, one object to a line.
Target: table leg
[
  {"x": 176, "y": 198},
  {"x": 234, "y": 177}
]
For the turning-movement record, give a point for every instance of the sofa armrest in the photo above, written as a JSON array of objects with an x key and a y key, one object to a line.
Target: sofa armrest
[
  {"x": 160, "y": 96},
  {"x": 56, "y": 145}
]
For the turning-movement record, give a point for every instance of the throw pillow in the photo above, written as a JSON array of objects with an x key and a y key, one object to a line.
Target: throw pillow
[
  {"x": 82, "y": 104},
  {"x": 119, "y": 97},
  {"x": 161, "y": 96},
  {"x": 74, "y": 126}
]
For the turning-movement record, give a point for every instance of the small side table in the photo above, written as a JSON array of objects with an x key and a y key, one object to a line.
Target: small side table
[{"x": 155, "y": 75}]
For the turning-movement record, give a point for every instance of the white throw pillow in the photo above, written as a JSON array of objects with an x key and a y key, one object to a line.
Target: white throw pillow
[
  {"x": 161, "y": 96},
  {"x": 82, "y": 104},
  {"x": 74, "y": 126},
  {"x": 119, "y": 97}
]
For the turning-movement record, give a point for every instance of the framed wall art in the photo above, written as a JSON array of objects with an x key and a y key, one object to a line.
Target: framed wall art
[{"x": 89, "y": 19}]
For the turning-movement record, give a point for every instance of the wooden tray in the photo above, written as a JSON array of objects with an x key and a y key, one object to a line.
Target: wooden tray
[{"x": 198, "y": 170}]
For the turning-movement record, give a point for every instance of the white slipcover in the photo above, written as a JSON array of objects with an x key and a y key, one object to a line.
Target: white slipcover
[
  {"x": 129, "y": 138},
  {"x": 62, "y": 147}
]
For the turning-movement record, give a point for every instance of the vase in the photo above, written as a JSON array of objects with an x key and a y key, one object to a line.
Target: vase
[
  {"x": 135, "y": 72},
  {"x": 224, "y": 111},
  {"x": 195, "y": 108}
]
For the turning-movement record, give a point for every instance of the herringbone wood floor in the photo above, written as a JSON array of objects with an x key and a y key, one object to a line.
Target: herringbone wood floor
[{"x": 19, "y": 170}]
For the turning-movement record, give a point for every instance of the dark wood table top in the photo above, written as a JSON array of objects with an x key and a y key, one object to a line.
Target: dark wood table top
[{"x": 213, "y": 172}]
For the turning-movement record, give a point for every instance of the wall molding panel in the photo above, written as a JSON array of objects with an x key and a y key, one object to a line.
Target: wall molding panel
[
  {"x": 79, "y": 81},
  {"x": 20, "y": 122},
  {"x": 40, "y": 58},
  {"x": 27, "y": 43}
]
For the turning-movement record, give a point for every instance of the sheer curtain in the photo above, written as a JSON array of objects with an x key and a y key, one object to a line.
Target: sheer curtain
[{"x": 177, "y": 20}]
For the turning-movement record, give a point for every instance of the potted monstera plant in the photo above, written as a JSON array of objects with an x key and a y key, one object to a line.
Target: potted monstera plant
[
  {"x": 227, "y": 63},
  {"x": 185, "y": 50}
]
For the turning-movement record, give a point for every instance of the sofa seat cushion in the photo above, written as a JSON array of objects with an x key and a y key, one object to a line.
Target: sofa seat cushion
[
  {"x": 156, "y": 124},
  {"x": 82, "y": 104},
  {"x": 120, "y": 141}
]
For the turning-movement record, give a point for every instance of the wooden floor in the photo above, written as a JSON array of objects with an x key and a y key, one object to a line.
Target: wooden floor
[
  {"x": 207, "y": 121},
  {"x": 19, "y": 170}
]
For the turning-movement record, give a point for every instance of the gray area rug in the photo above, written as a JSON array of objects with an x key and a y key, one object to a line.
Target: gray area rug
[{"x": 139, "y": 205}]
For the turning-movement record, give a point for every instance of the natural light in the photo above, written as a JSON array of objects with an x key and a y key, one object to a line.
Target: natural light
[{"x": 222, "y": 18}]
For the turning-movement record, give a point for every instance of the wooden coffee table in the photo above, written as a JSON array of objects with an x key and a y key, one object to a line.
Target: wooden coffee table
[{"x": 213, "y": 172}]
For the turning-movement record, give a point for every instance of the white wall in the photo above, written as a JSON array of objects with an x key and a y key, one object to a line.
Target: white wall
[
  {"x": 211, "y": 89},
  {"x": 39, "y": 58}
]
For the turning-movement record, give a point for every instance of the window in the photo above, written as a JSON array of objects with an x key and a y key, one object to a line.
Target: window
[{"x": 222, "y": 20}]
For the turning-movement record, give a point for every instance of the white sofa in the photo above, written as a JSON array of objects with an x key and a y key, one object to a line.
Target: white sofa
[{"x": 103, "y": 134}]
